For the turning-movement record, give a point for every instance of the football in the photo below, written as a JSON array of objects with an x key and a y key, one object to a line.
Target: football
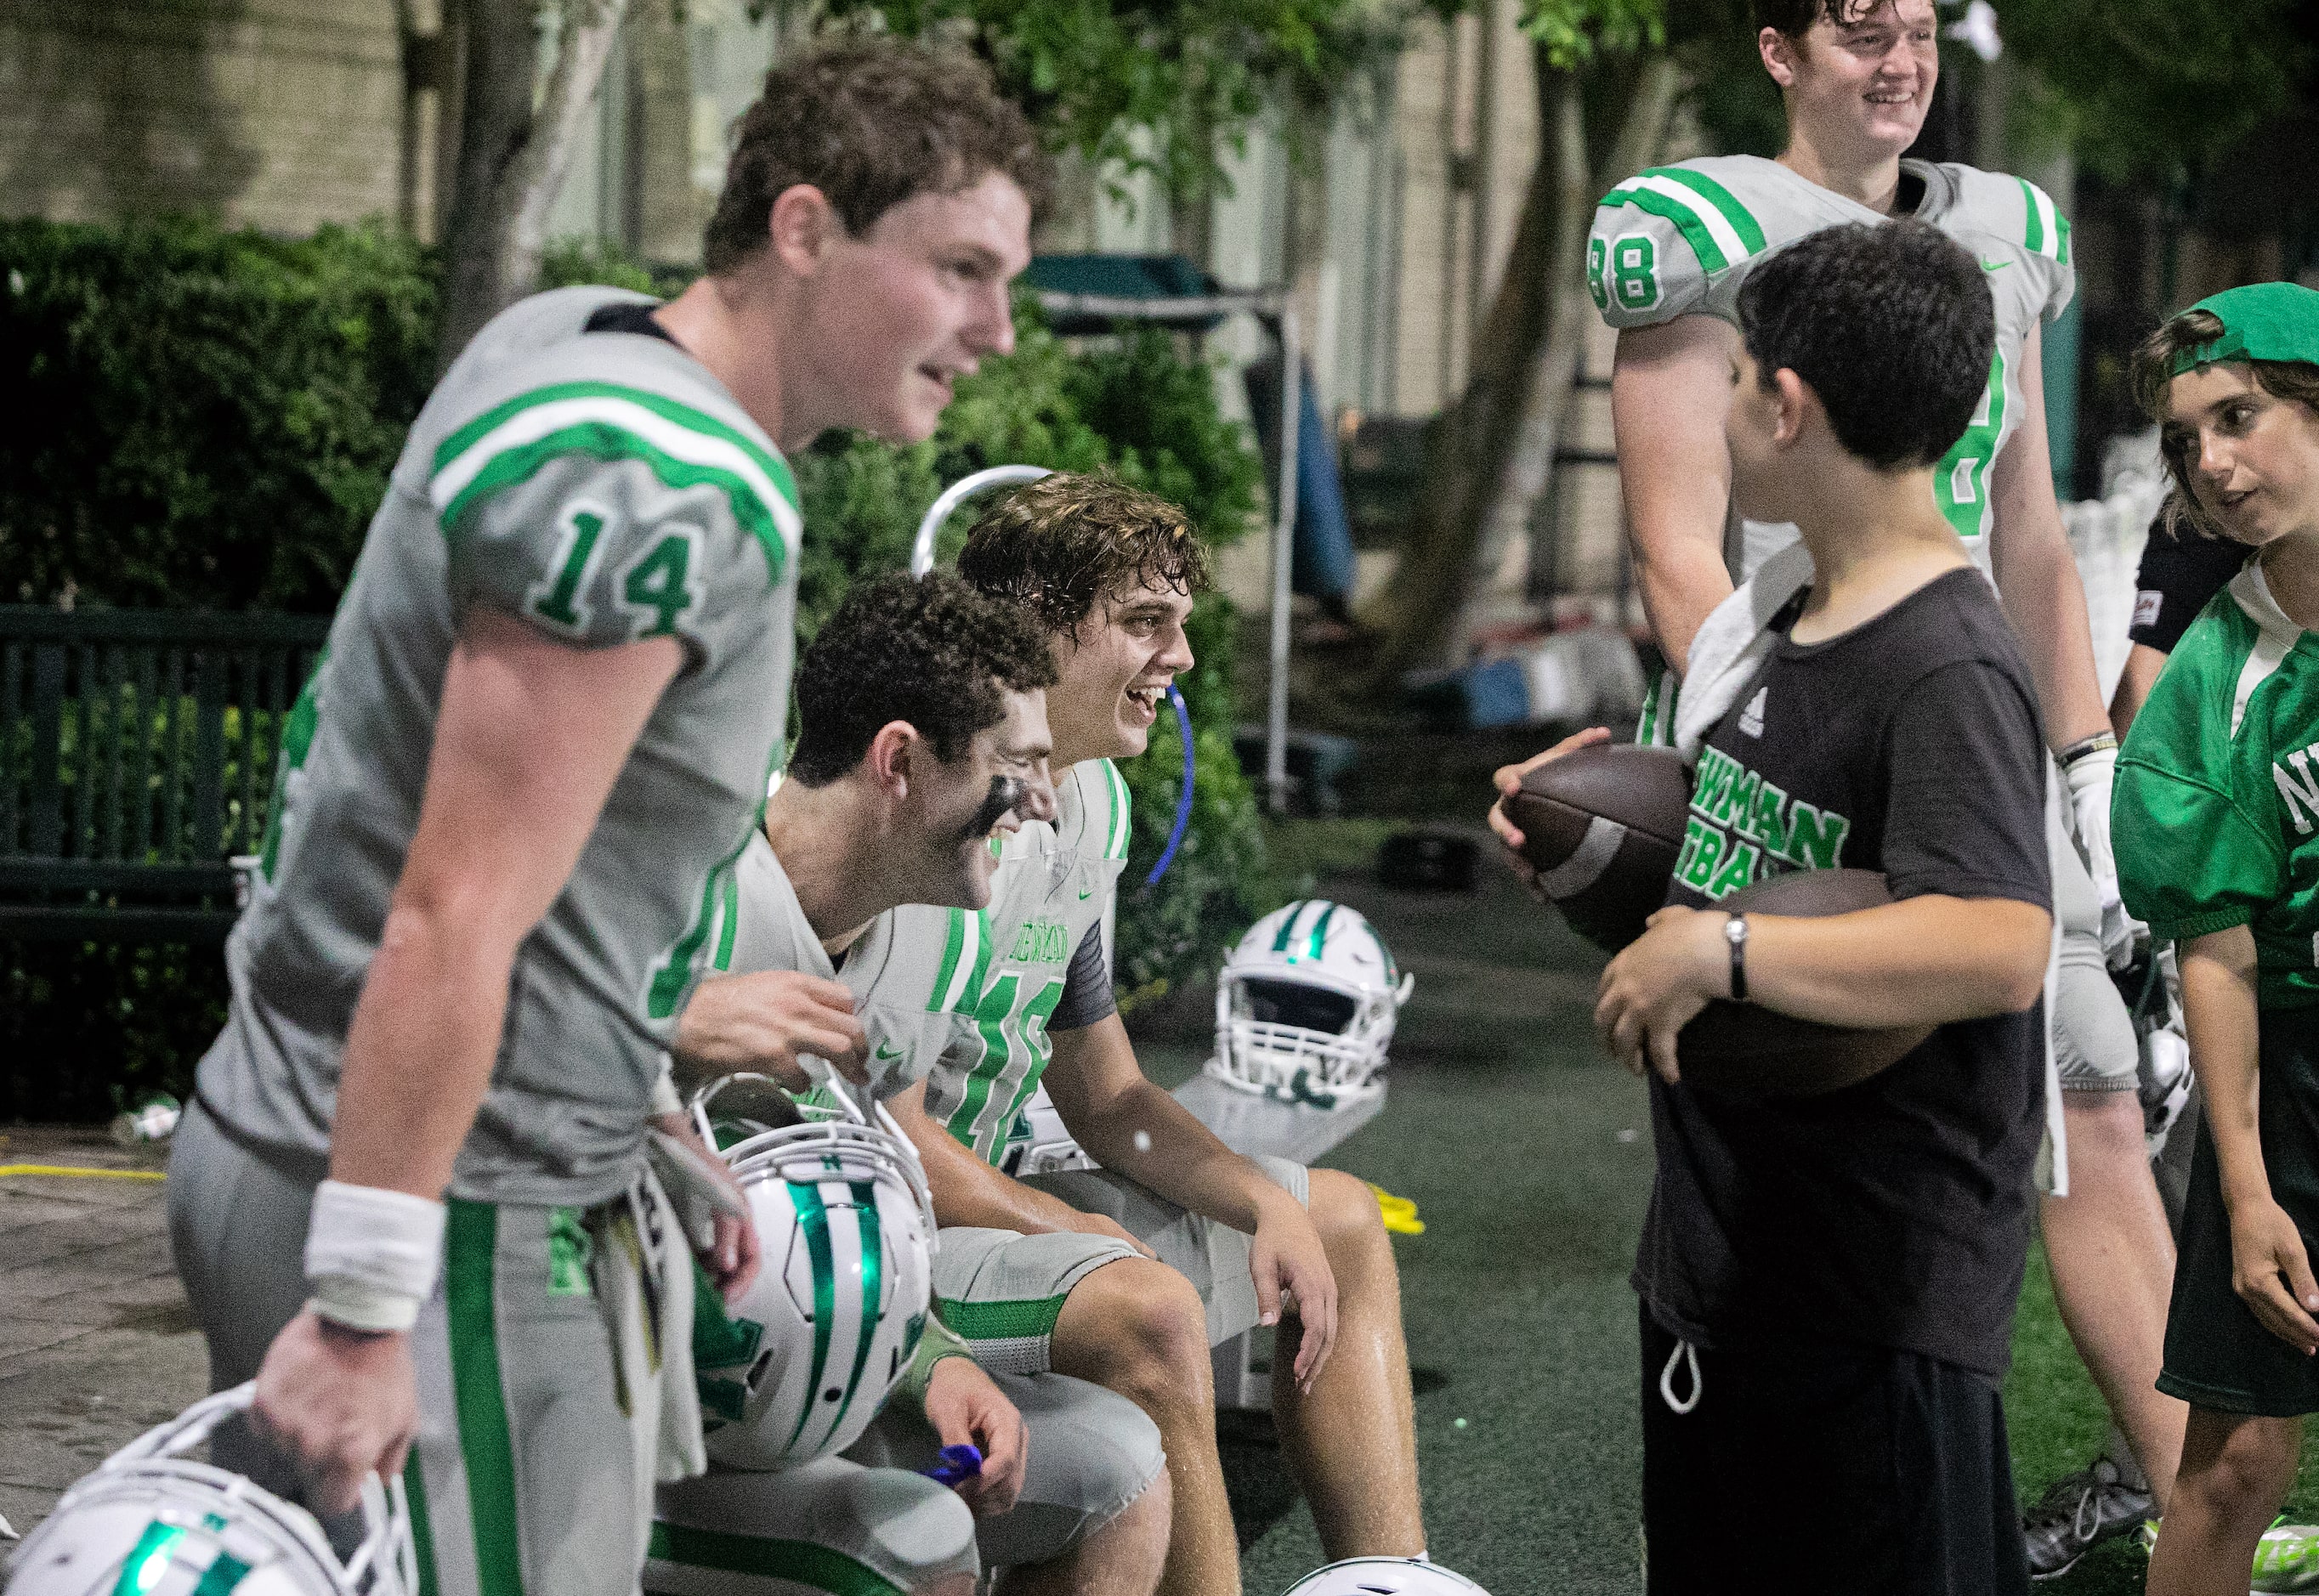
[
  {"x": 1601, "y": 826},
  {"x": 1740, "y": 1047}
]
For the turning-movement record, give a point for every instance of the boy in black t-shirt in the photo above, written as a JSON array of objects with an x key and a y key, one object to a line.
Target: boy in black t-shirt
[{"x": 1828, "y": 1280}]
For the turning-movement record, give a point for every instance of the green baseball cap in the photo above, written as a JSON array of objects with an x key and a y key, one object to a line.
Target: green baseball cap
[{"x": 2261, "y": 322}]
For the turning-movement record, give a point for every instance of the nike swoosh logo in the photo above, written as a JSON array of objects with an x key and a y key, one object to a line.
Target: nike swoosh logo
[
  {"x": 1995, "y": 266},
  {"x": 1087, "y": 892},
  {"x": 886, "y": 1052}
]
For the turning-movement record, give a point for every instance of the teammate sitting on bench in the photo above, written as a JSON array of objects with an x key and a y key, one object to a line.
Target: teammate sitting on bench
[{"x": 923, "y": 738}]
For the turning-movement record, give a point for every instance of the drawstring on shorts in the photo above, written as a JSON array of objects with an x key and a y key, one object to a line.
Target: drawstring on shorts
[{"x": 1683, "y": 1351}]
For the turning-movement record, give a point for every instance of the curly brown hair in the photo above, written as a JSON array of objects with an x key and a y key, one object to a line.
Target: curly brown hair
[
  {"x": 869, "y": 121},
  {"x": 2153, "y": 372},
  {"x": 1068, "y": 542},
  {"x": 935, "y": 654}
]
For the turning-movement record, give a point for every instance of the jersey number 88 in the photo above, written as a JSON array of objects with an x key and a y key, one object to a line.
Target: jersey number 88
[{"x": 1627, "y": 269}]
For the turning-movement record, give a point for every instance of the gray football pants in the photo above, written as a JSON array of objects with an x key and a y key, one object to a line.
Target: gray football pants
[{"x": 520, "y": 1479}]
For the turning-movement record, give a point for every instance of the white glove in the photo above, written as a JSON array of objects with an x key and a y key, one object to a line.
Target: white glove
[{"x": 2091, "y": 777}]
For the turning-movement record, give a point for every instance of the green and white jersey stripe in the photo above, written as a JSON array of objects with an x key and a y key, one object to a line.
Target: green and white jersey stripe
[
  {"x": 1680, "y": 240},
  {"x": 2047, "y": 232},
  {"x": 1720, "y": 229},
  {"x": 684, "y": 446},
  {"x": 604, "y": 488},
  {"x": 998, "y": 972}
]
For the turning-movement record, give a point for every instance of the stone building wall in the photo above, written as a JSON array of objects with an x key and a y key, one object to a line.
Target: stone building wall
[{"x": 279, "y": 114}]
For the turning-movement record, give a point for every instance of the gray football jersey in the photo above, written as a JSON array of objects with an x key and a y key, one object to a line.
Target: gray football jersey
[
  {"x": 1679, "y": 241},
  {"x": 768, "y": 930},
  {"x": 960, "y": 996},
  {"x": 605, "y": 488}
]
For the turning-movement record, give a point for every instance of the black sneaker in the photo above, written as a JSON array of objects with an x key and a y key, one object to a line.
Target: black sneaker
[{"x": 2078, "y": 1512}]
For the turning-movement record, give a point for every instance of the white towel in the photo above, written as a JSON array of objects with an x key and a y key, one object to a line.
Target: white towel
[
  {"x": 644, "y": 1276},
  {"x": 1730, "y": 646}
]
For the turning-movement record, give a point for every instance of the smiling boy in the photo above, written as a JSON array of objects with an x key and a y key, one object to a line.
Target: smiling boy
[{"x": 511, "y": 795}]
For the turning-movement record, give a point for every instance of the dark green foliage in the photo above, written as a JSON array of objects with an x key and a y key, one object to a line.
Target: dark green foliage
[
  {"x": 204, "y": 420},
  {"x": 88, "y": 1030},
  {"x": 208, "y": 420}
]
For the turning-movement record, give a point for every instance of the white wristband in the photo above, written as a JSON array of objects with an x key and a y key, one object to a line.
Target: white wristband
[{"x": 371, "y": 1255}]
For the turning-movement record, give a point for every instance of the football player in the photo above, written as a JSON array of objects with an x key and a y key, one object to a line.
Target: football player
[
  {"x": 921, "y": 747},
  {"x": 1667, "y": 254},
  {"x": 1127, "y": 1274},
  {"x": 513, "y": 795}
]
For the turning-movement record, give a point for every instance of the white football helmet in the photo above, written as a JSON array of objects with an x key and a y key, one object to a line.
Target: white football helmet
[
  {"x": 1039, "y": 1142},
  {"x": 151, "y": 1521},
  {"x": 800, "y": 1366},
  {"x": 1306, "y": 1006},
  {"x": 1384, "y": 1576}
]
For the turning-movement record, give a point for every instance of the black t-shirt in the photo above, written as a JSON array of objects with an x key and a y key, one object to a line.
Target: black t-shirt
[
  {"x": 1895, "y": 1211},
  {"x": 2176, "y": 578}
]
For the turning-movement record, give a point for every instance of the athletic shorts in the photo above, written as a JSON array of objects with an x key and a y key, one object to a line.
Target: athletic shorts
[
  {"x": 2218, "y": 1355},
  {"x": 831, "y": 1525},
  {"x": 2094, "y": 1045},
  {"x": 1825, "y": 1468},
  {"x": 520, "y": 1479},
  {"x": 1002, "y": 1291},
  {"x": 1091, "y": 1453}
]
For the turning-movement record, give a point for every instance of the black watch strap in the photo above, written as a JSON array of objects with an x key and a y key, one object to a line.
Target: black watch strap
[{"x": 1735, "y": 933}]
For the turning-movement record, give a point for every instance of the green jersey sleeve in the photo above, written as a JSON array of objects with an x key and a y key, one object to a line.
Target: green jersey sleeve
[
  {"x": 2046, "y": 237},
  {"x": 2192, "y": 856},
  {"x": 605, "y": 515},
  {"x": 2190, "y": 862},
  {"x": 1663, "y": 243}
]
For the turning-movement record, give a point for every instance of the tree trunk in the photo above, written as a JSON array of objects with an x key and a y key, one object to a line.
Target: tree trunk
[
  {"x": 1650, "y": 103},
  {"x": 1490, "y": 451},
  {"x": 515, "y": 150}
]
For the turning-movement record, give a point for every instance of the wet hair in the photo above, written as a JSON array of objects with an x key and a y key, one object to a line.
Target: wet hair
[
  {"x": 870, "y": 121},
  {"x": 1066, "y": 542},
  {"x": 935, "y": 654},
  {"x": 1890, "y": 324},
  {"x": 1795, "y": 18},
  {"x": 2154, "y": 375}
]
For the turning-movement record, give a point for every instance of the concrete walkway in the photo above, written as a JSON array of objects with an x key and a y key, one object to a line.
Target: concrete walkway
[
  {"x": 1528, "y": 1154},
  {"x": 96, "y": 1340}
]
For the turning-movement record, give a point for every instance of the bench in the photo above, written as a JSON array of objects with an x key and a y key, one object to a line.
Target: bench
[
  {"x": 137, "y": 760},
  {"x": 1258, "y": 1126}
]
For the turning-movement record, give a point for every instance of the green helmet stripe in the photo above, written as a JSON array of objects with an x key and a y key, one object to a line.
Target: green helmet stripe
[
  {"x": 148, "y": 1560},
  {"x": 1288, "y": 927},
  {"x": 223, "y": 1576},
  {"x": 813, "y": 1219},
  {"x": 1320, "y": 931},
  {"x": 865, "y": 1209}
]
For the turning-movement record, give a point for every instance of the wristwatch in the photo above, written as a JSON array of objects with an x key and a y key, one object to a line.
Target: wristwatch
[{"x": 1735, "y": 933}]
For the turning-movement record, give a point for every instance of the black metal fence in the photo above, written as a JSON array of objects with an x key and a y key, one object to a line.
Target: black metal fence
[{"x": 137, "y": 755}]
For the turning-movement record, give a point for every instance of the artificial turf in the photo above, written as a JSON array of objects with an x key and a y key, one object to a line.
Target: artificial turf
[{"x": 1529, "y": 1156}]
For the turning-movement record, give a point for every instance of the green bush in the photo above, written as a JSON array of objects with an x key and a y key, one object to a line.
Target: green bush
[
  {"x": 207, "y": 420},
  {"x": 204, "y": 420}
]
